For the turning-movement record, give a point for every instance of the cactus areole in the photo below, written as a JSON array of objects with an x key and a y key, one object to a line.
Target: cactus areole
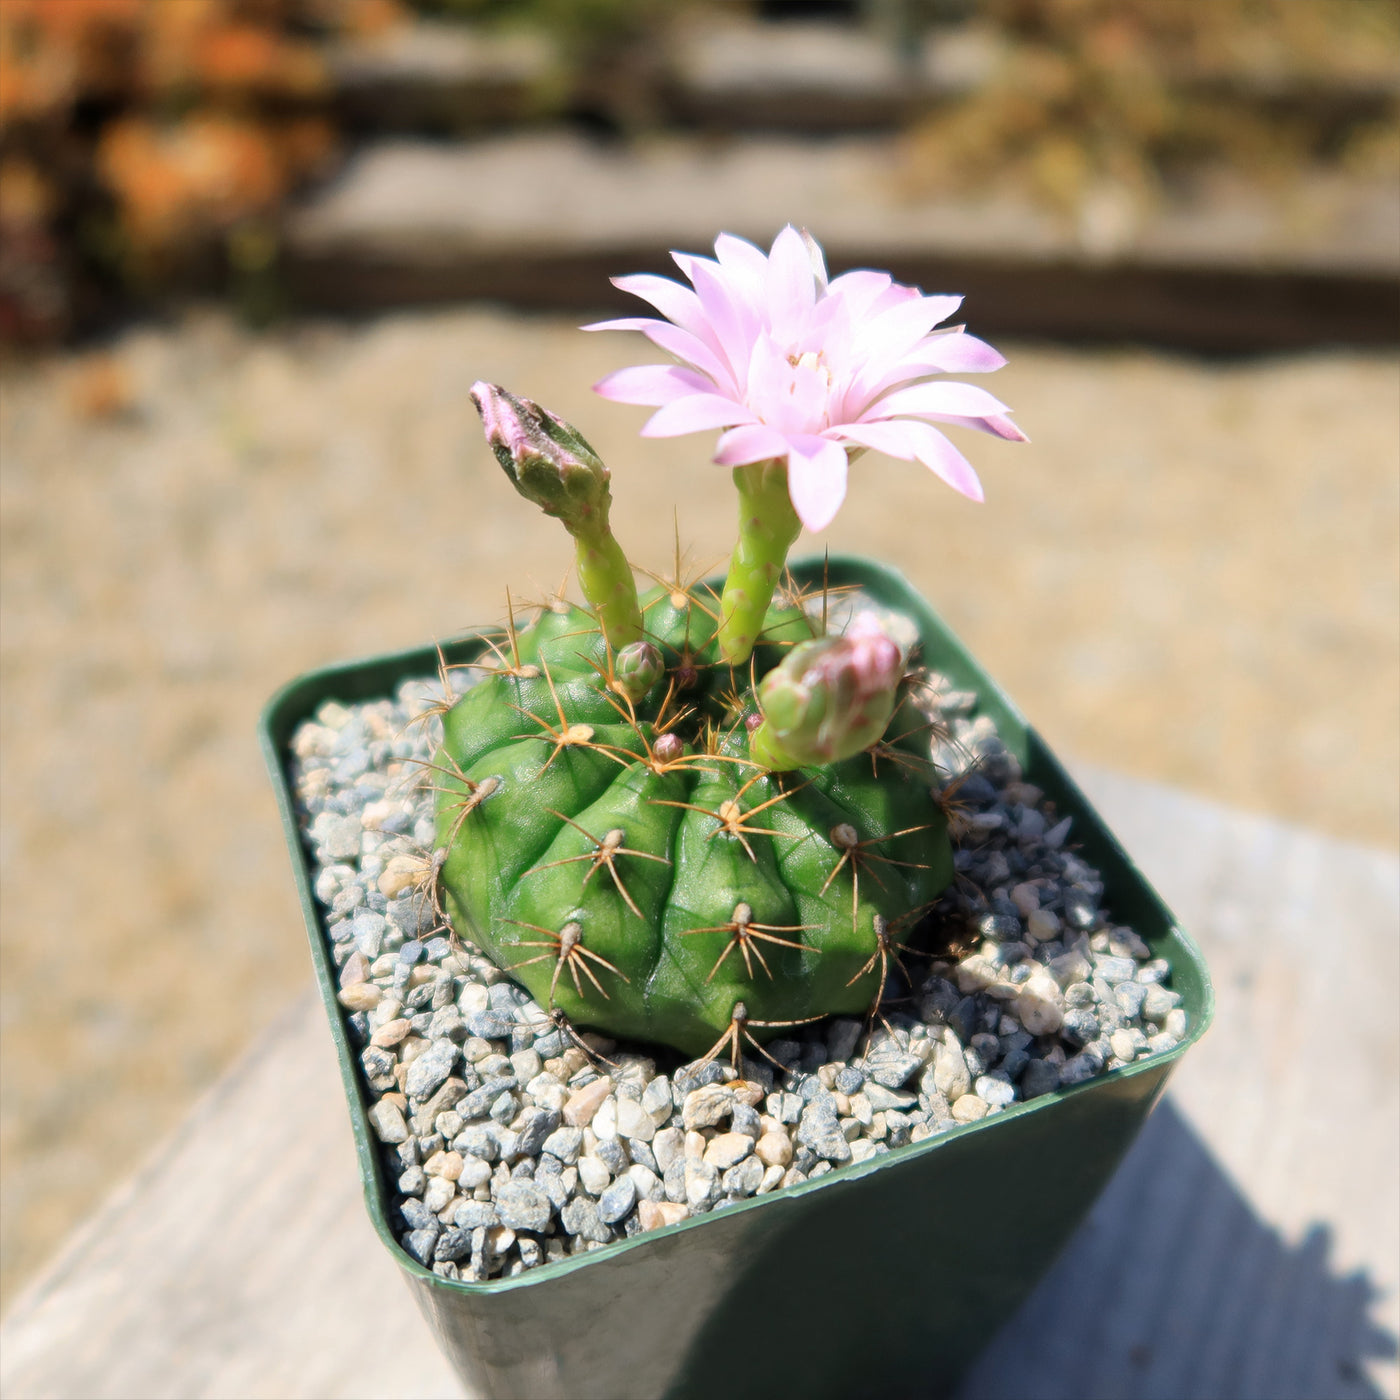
[{"x": 691, "y": 816}]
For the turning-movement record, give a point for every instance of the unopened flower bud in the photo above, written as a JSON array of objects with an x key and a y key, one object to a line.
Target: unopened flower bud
[
  {"x": 829, "y": 698},
  {"x": 637, "y": 668},
  {"x": 547, "y": 459},
  {"x": 668, "y": 748}
]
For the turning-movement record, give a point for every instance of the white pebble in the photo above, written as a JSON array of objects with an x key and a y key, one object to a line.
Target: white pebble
[
  {"x": 475, "y": 1172},
  {"x": 440, "y": 1191},
  {"x": 604, "y": 1121},
  {"x": 772, "y": 1179},
  {"x": 1026, "y": 898},
  {"x": 361, "y": 996},
  {"x": 969, "y": 1108},
  {"x": 633, "y": 1121},
  {"x": 1038, "y": 1006},
  {"x": 593, "y": 1175}
]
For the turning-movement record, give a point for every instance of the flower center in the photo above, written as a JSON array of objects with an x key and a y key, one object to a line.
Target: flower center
[{"x": 792, "y": 392}]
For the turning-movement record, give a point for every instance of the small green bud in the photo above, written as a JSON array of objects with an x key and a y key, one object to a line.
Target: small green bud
[
  {"x": 829, "y": 698},
  {"x": 637, "y": 668}
]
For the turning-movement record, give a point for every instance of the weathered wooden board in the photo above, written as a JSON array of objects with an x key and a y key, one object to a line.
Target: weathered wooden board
[
  {"x": 1248, "y": 1247},
  {"x": 415, "y": 221}
]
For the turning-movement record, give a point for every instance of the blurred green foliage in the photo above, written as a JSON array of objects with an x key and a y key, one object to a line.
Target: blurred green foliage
[{"x": 1080, "y": 94}]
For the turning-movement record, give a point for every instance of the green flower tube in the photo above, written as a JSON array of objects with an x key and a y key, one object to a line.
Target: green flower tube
[{"x": 768, "y": 525}]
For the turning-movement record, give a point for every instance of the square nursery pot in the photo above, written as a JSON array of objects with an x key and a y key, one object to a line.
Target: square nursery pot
[{"x": 885, "y": 1277}]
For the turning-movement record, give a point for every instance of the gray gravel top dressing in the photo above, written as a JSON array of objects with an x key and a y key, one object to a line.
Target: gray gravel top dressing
[{"x": 514, "y": 1147}]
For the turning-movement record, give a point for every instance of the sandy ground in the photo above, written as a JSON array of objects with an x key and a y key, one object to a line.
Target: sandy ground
[{"x": 1191, "y": 574}]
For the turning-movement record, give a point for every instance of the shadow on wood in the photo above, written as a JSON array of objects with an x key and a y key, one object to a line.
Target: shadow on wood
[{"x": 1176, "y": 1287}]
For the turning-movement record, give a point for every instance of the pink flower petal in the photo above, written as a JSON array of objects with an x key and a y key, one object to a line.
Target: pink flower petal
[
  {"x": 994, "y": 423},
  {"x": 860, "y": 289},
  {"x": 693, "y": 352},
  {"x": 816, "y": 480},
  {"x": 898, "y": 437},
  {"x": 680, "y": 343},
  {"x": 945, "y": 461},
  {"x": 753, "y": 442},
  {"x": 955, "y": 352},
  {"x": 908, "y": 437},
  {"x": 652, "y": 384},
  {"x": 737, "y": 255},
  {"x": 746, "y": 269},
  {"x": 883, "y": 340},
  {"x": 675, "y": 302},
  {"x": 937, "y": 398},
  {"x": 890, "y": 334},
  {"x": 791, "y": 288},
  {"x": 695, "y": 413},
  {"x": 732, "y": 320},
  {"x": 623, "y": 323}
]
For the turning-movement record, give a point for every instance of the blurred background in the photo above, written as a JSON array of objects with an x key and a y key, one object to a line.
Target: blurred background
[{"x": 253, "y": 252}]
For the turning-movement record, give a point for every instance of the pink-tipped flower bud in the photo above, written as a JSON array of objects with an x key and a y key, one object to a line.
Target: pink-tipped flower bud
[
  {"x": 637, "y": 668},
  {"x": 668, "y": 748},
  {"x": 829, "y": 698},
  {"x": 546, "y": 458}
]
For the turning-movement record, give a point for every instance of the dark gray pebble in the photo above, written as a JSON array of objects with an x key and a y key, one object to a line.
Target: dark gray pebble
[
  {"x": 538, "y": 1124},
  {"x": 379, "y": 1068},
  {"x": 1080, "y": 1025},
  {"x": 489, "y": 1025},
  {"x": 422, "y": 1243},
  {"x": 428, "y": 1072},
  {"x": 617, "y": 1201},
  {"x": 420, "y": 998},
  {"x": 565, "y": 1143},
  {"x": 453, "y": 1245},
  {"x": 523, "y": 1206},
  {"x": 580, "y": 1217},
  {"x": 613, "y": 1155},
  {"x": 822, "y": 1134},
  {"x": 418, "y": 1216},
  {"x": 1039, "y": 1077},
  {"x": 472, "y": 1214}
]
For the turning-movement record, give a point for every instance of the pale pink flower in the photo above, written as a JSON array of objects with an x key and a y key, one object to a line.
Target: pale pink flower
[{"x": 797, "y": 367}]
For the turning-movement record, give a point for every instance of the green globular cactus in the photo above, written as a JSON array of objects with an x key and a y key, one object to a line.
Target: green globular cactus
[
  {"x": 631, "y": 830},
  {"x": 628, "y": 863}
]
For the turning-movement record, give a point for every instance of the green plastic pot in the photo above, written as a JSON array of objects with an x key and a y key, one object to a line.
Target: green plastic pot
[{"x": 885, "y": 1278}]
